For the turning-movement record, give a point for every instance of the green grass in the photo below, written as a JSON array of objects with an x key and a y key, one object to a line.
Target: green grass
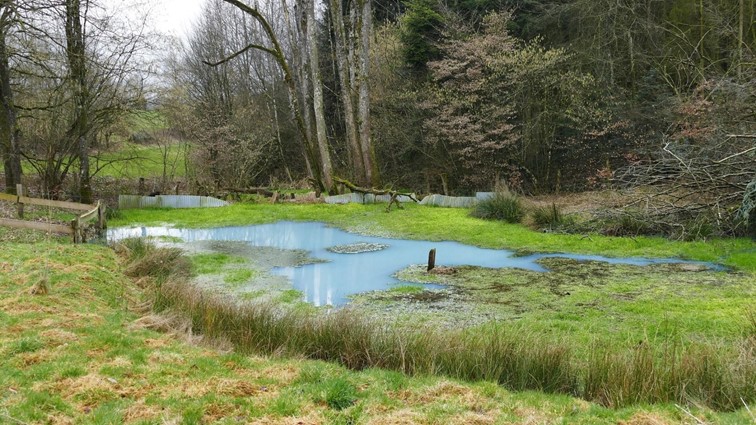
[
  {"x": 290, "y": 296},
  {"x": 655, "y": 370},
  {"x": 134, "y": 161},
  {"x": 159, "y": 378},
  {"x": 88, "y": 357},
  {"x": 239, "y": 276},
  {"x": 417, "y": 222},
  {"x": 404, "y": 290},
  {"x": 582, "y": 302},
  {"x": 213, "y": 263}
]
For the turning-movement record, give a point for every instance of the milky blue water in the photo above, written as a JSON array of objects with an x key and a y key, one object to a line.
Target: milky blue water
[{"x": 342, "y": 275}]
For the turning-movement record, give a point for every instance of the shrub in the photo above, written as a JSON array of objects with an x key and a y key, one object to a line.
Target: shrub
[
  {"x": 501, "y": 206},
  {"x": 112, "y": 213},
  {"x": 628, "y": 222},
  {"x": 146, "y": 260},
  {"x": 700, "y": 227},
  {"x": 141, "y": 137},
  {"x": 547, "y": 217}
]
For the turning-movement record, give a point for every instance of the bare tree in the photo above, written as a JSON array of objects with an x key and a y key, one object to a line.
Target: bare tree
[
  {"x": 74, "y": 74},
  {"x": 317, "y": 90},
  {"x": 76, "y": 55},
  {"x": 353, "y": 63},
  {"x": 10, "y": 149},
  {"x": 275, "y": 49}
]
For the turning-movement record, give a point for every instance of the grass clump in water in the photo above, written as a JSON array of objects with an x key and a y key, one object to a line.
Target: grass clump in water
[
  {"x": 238, "y": 276},
  {"x": 212, "y": 263},
  {"x": 502, "y": 206}
]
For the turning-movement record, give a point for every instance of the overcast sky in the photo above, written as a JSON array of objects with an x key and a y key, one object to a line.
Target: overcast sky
[{"x": 175, "y": 16}]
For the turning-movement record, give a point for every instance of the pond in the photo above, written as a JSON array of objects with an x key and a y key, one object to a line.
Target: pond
[{"x": 356, "y": 263}]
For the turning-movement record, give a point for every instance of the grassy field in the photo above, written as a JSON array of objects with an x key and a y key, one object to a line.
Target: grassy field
[
  {"x": 133, "y": 161},
  {"x": 584, "y": 303},
  {"x": 86, "y": 353},
  {"x": 126, "y": 159}
]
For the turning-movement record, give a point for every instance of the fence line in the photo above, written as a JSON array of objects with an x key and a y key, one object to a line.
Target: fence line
[
  {"x": 76, "y": 228},
  {"x": 168, "y": 201}
]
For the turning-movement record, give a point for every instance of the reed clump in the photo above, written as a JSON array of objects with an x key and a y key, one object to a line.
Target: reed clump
[
  {"x": 650, "y": 372},
  {"x": 503, "y": 205}
]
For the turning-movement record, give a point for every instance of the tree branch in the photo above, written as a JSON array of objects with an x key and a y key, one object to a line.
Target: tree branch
[{"x": 241, "y": 52}]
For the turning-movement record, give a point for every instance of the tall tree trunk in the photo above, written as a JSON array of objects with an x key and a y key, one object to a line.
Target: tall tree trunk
[
  {"x": 317, "y": 97},
  {"x": 10, "y": 147},
  {"x": 76, "y": 52},
  {"x": 353, "y": 59},
  {"x": 701, "y": 37},
  {"x": 277, "y": 52},
  {"x": 368, "y": 153},
  {"x": 345, "y": 81},
  {"x": 741, "y": 40}
]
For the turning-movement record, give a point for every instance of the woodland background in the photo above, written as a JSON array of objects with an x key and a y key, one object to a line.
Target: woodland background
[{"x": 540, "y": 96}]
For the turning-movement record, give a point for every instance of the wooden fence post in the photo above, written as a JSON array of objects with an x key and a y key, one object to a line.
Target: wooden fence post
[
  {"x": 76, "y": 226},
  {"x": 101, "y": 223},
  {"x": 19, "y": 194},
  {"x": 432, "y": 259}
]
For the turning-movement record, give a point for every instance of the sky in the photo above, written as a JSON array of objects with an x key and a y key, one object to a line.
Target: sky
[{"x": 175, "y": 16}]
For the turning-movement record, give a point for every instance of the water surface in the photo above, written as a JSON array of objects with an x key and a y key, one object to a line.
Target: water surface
[{"x": 342, "y": 275}]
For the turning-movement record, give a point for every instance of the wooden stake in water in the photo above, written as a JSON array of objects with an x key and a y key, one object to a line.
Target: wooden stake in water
[{"x": 432, "y": 259}]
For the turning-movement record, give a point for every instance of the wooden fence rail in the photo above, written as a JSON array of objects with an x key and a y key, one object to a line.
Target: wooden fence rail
[{"x": 76, "y": 228}]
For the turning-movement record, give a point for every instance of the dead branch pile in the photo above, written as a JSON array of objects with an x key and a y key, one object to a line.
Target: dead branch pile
[{"x": 687, "y": 184}]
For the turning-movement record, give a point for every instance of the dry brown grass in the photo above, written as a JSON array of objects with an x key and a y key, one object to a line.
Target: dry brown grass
[
  {"x": 532, "y": 416},
  {"x": 166, "y": 357},
  {"x": 442, "y": 392},
  {"x": 398, "y": 417},
  {"x": 56, "y": 337},
  {"x": 644, "y": 418},
  {"x": 141, "y": 411},
  {"x": 474, "y": 418},
  {"x": 580, "y": 203},
  {"x": 311, "y": 418}
]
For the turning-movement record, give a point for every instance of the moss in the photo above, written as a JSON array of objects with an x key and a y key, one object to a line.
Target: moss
[{"x": 581, "y": 300}]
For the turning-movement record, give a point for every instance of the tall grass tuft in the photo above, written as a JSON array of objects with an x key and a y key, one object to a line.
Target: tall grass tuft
[
  {"x": 550, "y": 217},
  {"x": 650, "y": 372},
  {"x": 503, "y": 206},
  {"x": 718, "y": 377}
]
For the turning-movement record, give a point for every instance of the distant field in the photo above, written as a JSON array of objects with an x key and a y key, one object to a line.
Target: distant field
[
  {"x": 134, "y": 161},
  {"x": 147, "y": 121}
]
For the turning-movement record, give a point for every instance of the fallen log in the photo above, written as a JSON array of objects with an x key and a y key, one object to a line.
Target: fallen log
[
  {"x": 373, "y": 191},
  {"x": 262, "y": 191}
]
